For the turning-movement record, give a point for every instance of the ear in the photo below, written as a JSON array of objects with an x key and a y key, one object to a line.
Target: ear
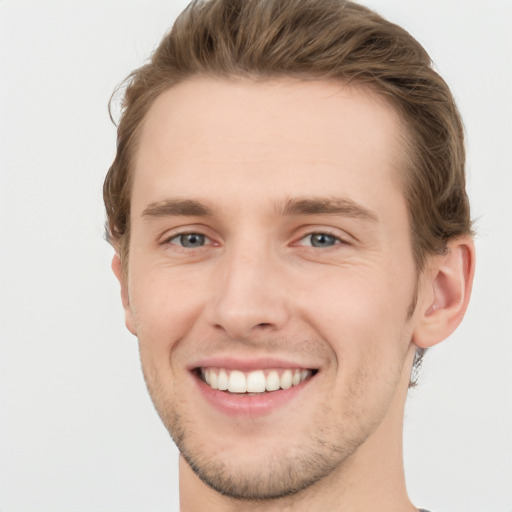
[
  {"x": 117, "y": 268},
  {"x": 445, "y": 293}
]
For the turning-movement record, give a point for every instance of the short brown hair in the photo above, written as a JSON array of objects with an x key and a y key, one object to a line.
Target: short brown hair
[{"x": 310, "y": 40}]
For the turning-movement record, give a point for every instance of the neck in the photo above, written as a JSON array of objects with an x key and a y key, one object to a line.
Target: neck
[{"x": 372, "y": 479}]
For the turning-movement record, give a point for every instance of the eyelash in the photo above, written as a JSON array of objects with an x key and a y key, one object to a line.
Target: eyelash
[
  {"x": 337, "y": 240},
  {"x": 320, "y": 233},
  {"x": 182, "y": 235}
]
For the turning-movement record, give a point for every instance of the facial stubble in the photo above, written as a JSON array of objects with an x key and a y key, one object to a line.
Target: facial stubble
[{"x": 326, "y": 447}]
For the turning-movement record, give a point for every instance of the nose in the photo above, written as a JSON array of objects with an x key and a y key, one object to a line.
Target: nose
[{"x": 249, "y": 295}]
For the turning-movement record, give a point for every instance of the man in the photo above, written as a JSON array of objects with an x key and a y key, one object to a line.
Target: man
[{"x": 288, "y": 209}]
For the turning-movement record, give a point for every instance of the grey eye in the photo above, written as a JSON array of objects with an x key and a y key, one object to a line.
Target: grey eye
[
  {"x": 190, "y": 240},
  {"x": 322, "y": 240}
]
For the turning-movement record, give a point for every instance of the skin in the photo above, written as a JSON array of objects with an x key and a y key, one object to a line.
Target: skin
[{"x": 258, "y": 286}]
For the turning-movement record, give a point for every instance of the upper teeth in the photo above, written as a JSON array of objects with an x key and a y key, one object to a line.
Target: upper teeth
[{"x": 257, "y": 381}]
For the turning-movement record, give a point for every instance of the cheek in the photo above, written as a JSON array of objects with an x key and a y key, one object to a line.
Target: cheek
[
  {"x": 364, "y": 322},
  {"x": 164, "y": 308},
  {"x": 362, "y": 314},
  {"x": 165, "y": 311}
]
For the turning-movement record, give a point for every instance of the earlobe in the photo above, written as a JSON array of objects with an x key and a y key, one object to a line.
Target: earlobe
[
  {"x": 117, "y": 268},
  {"x": 446, "y": 293}
]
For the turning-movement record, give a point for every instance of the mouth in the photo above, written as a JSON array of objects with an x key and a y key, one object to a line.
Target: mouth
[{"x": 255, "y": 382}]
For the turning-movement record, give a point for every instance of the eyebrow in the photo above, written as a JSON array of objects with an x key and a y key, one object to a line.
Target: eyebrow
[
  {"x": 177, "y": 207},
  {"x": 296, "y": 206},
  {"x": 327, "y": 206}
]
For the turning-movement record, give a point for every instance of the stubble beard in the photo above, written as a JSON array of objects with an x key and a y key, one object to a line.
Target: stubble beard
[
  {"x": 325, "y": 447},
  {"x": 282, "y": 477},
  {"x": 327, "y": 450},
  {"x": 320, "y": 454}
]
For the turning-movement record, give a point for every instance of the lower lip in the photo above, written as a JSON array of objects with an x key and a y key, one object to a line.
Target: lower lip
[{"x": 234, "y": 404}]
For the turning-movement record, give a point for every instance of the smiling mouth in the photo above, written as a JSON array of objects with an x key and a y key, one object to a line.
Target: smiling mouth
[{"x": 253, "y": 382}]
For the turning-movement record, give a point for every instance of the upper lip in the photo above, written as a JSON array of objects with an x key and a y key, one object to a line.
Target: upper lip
[{"x": 249, "y": 364}]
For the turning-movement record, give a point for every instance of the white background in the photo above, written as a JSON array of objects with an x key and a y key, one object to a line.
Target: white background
[{"x": 77, "y": 430}]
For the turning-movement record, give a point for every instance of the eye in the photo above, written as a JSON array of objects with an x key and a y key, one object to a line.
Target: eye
[
  {"x": 320, "y": 240},
  {"x": 189, "y": 240}
]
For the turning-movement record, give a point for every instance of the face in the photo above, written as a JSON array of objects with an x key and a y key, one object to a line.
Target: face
[{"x": 270, "y": 277}]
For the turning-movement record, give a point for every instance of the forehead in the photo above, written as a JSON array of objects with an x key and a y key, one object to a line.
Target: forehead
[{"x": 207, "y": 136}]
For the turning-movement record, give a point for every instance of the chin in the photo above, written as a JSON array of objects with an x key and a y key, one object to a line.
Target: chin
[
  {"x": 268, "y": 469},
  {"x": 259, "y": 480}
]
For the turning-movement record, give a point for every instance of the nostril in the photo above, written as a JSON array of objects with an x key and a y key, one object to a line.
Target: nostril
[{"x": 238, "y": 316}]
